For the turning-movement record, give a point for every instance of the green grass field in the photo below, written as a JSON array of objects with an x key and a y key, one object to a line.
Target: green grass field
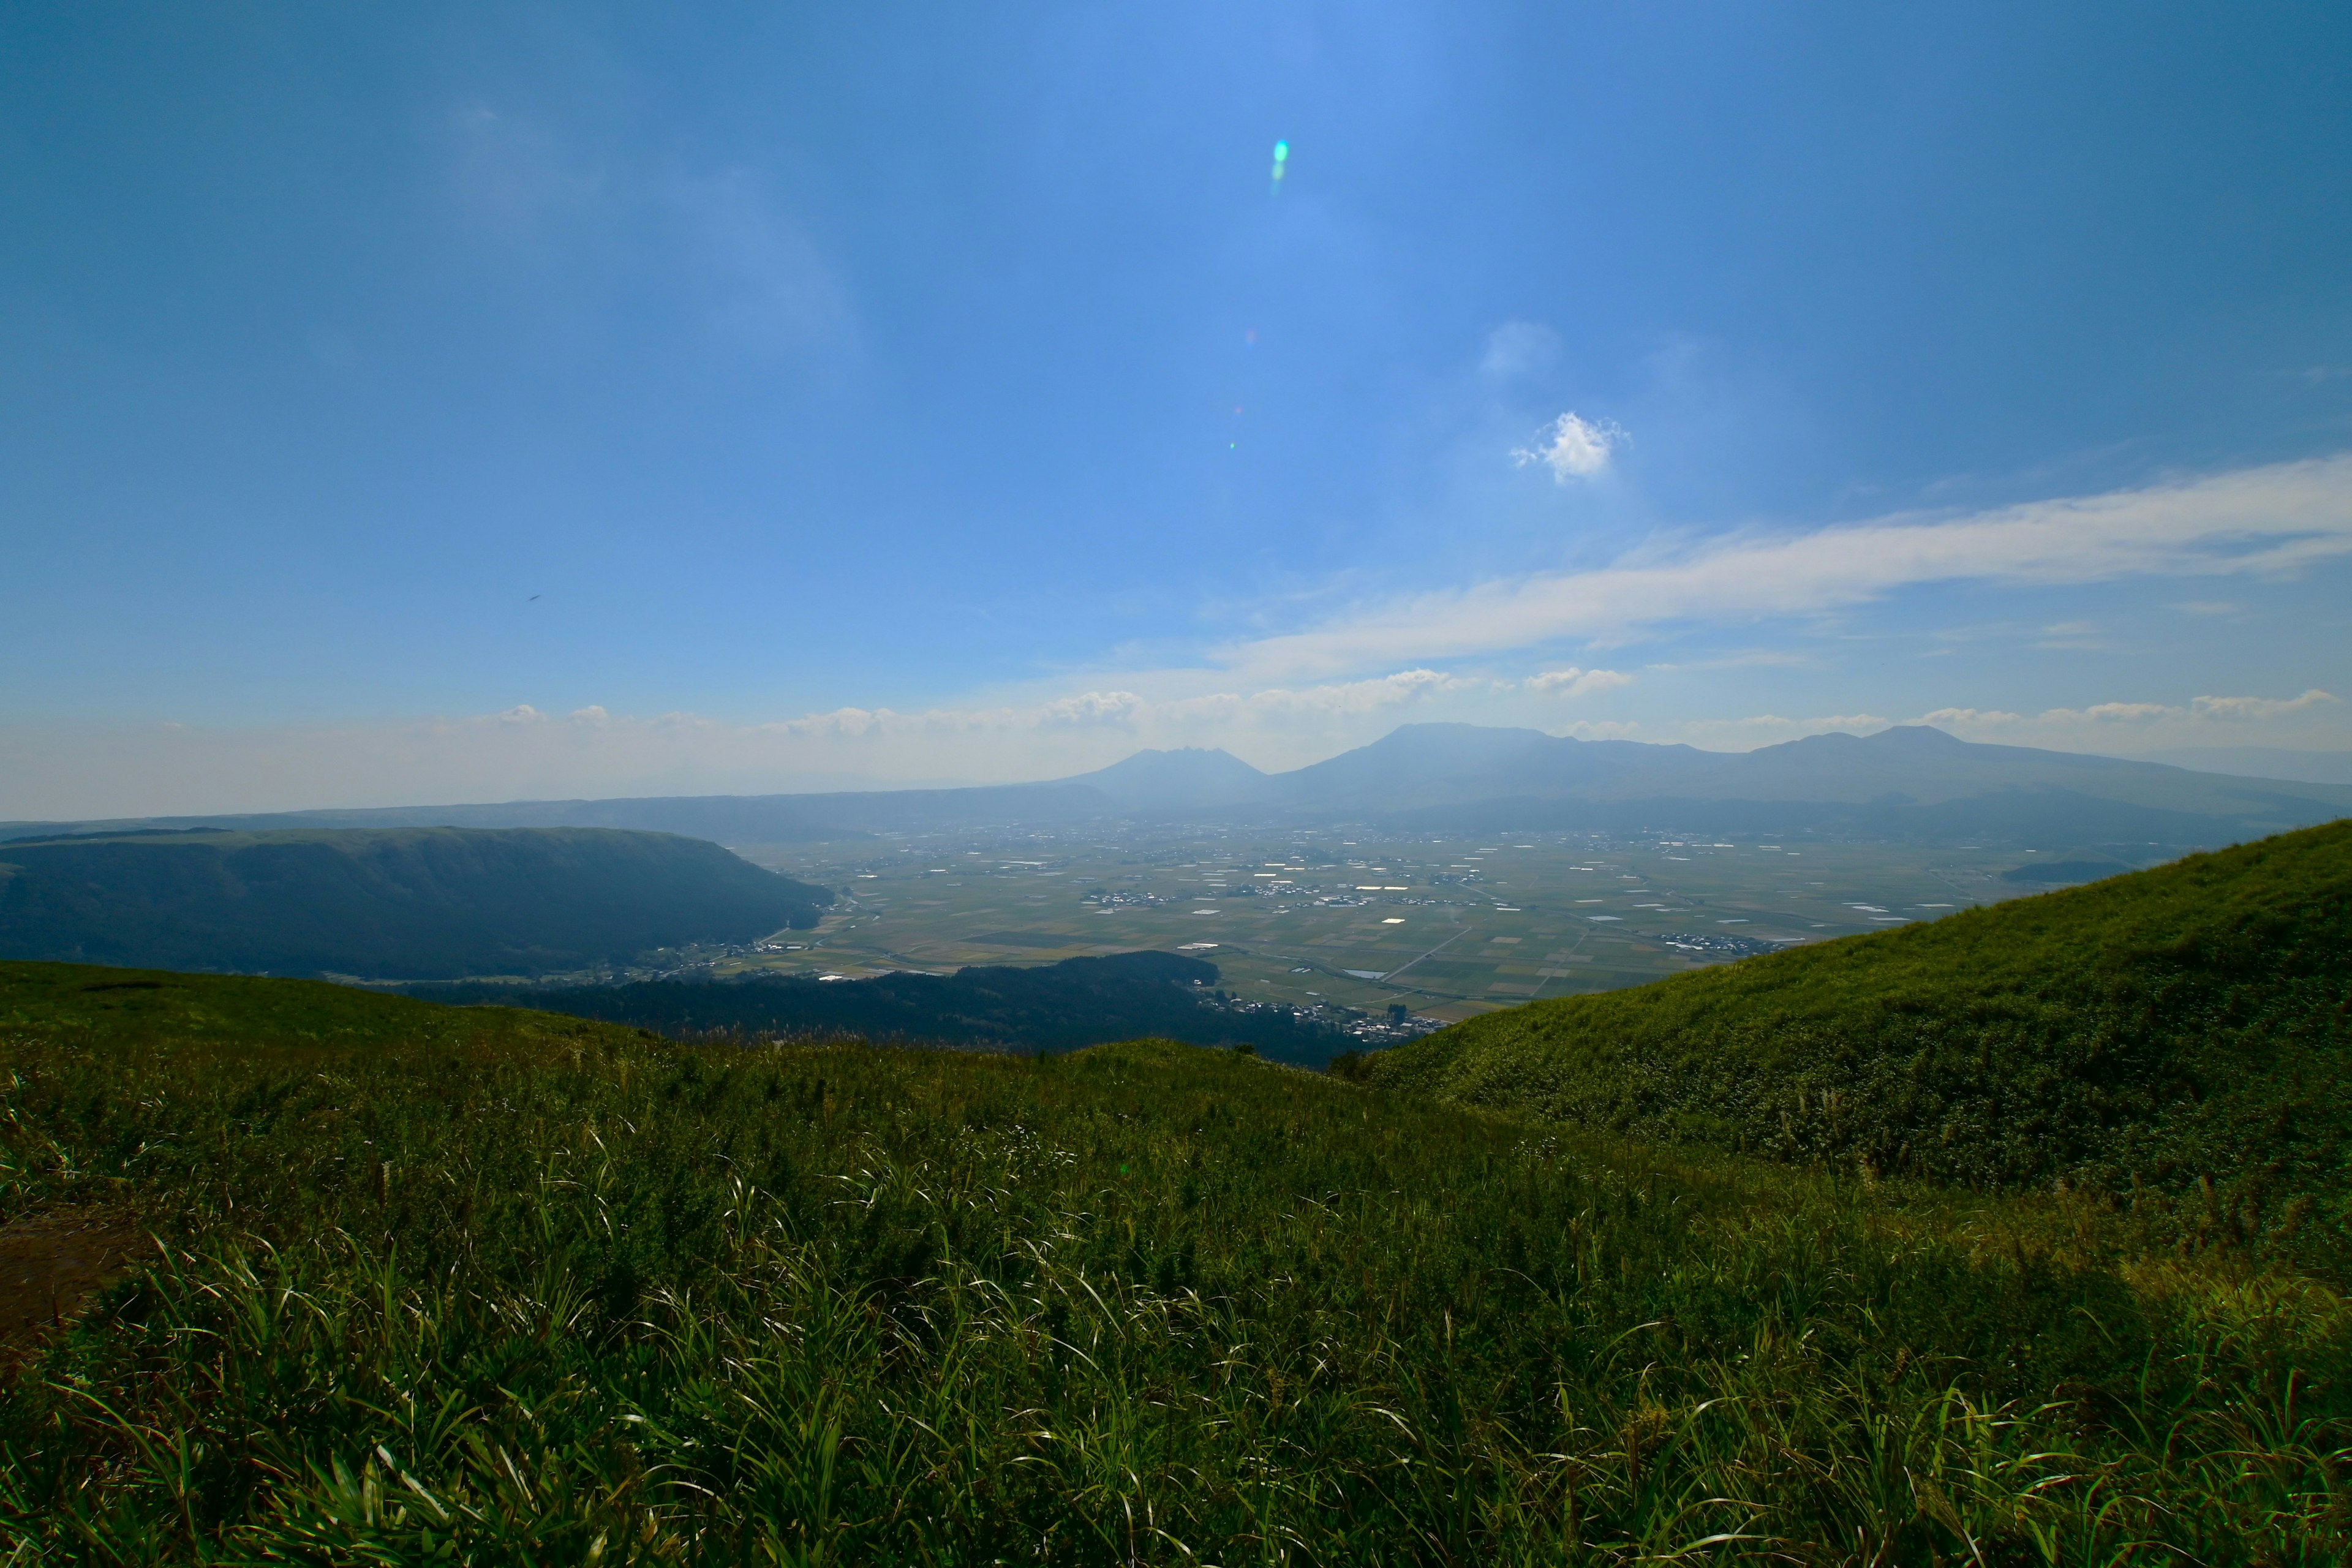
[{"x": 436, "y": 1285}]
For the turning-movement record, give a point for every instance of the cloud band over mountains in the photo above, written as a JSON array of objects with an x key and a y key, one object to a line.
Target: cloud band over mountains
[{"x": 2269, "y": 520}]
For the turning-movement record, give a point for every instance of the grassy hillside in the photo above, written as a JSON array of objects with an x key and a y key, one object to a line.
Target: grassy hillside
[
  {"x": 2181, "y": 1030},
  {"x": 493, "y": 1285},
  {"x": 407, "y": 903},
  {"x": 1038, "y": 1007}
]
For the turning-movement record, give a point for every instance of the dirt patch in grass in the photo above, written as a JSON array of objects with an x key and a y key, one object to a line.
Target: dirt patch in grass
[{"x": 52, "y": 1263}]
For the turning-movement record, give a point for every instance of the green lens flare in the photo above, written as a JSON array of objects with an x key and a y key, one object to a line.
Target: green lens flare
[{"x": 1281, "y": 151}]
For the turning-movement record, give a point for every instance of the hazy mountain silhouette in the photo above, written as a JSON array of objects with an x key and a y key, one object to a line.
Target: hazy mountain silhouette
[
  {"x": 1909, "y": 781},
  {"x": 1187, "y": 779},
  {"x": 1419, "y": 765}
]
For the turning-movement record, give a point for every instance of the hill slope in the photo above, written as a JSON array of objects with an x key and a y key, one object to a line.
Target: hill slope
[
  {"x": 410, "y": 904},
  {"x": 482, "y": 1285},
  {"x": 2182, "y": 1022},
  {"x": 1036, "y": 1007}
]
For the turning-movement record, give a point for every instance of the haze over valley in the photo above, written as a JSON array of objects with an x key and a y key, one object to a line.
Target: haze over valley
[{"x": 1440, "y": 873}]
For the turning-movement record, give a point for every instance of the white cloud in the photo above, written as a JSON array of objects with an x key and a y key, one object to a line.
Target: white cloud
[
  {"x": 1572, "y": 447},
  {"x": 1120, "y": 709},
  {"x": 2200, "y": 710},
  {"x": 1575, "y": 682},
  {"x": 1958, "y": 719},
  {"x": 2265, "y": 520},
  {"x": 2257, "y": 707},
  {"x": 2150, "y": 726}
]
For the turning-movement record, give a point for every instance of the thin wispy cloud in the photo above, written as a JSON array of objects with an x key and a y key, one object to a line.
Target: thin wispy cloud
[
  {"x": 2265, "y": 520},
  {"x": 2260, "y": 706},
  {"x": 736, "y": 257},
  {"x": 1519, "y": 349},
  {"x": 1576, "y": 682},
  {"x": 1134, "y": 714},
  {"x": 515, "y": 175},
  {"x": 2071, "y": 637},
  {"x": 768, "y": 284},
  {"x": 2312, "y": 720},
  {"x": 1747, "y": 659},
  {"x": 2197, "y": 710}
]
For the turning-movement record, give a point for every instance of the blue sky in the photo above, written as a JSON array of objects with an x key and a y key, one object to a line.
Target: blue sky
[{"x": 919, "y": 393}]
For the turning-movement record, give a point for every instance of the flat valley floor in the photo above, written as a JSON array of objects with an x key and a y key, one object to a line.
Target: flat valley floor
[{"x": 1449, "y": 927}]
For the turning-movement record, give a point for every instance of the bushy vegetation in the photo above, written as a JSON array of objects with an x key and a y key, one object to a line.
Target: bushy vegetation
[
  {"x": 493, "y": 1285},
  {"x": 393, "y": 903},
  {"x": 2176, "y": 1038},
  {"x": 1046, "y": 1006}
]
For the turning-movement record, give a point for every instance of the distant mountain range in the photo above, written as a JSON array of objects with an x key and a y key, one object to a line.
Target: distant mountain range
[
  {"x": 1907, "y": 783},
  {"x": 1910, "y": 782}
]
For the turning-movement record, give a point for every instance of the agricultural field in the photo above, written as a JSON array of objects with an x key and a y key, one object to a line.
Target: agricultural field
[{"x": 1448, "y": 927}]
